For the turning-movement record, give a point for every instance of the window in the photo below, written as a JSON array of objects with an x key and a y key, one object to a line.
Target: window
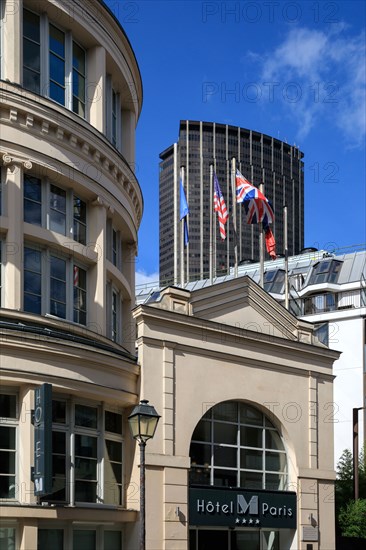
[
  {"x": 8, "y": 438},
  {"x": 47, "y": 288},
  {"x": 92, "y": 437},
  {"x": 326, "y": 271},
  {"x": 321, "y": 333},
  {"x": 274, "y": 281},
  {"x": 114, "y": 118},
  {"x": 113, "y": 112},
  {"x": 57, "y": 83},
  {"x": 54, "y": 65},
  {"x": 114, "y": 307},
  {"x": 79, "y": 226},
  {"x": 114, "y": 245},
  {"x": 78, "y": 80},
  {"x": 31, "y": 52},
  {"x": 114, "y": 312},
  {"x": 32, "y": 281},
  {"x": 235, "y": 445},
  {"x": 7, "y": 538},
  {"x": 52, "y": 207},
  {"x": 319, "y": 303},
  {"x": 97, "y": 537}
]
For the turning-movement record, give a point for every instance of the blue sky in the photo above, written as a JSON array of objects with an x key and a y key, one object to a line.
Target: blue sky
[{"x": 293, "y": 70}]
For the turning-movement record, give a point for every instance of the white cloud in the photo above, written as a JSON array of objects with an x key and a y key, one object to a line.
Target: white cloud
[
  {"x": 328, "y": 69},
  {"x": 143, "y": 278}
]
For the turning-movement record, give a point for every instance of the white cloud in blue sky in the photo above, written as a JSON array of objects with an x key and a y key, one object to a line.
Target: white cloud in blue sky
[{"x": 327, "y": 72}]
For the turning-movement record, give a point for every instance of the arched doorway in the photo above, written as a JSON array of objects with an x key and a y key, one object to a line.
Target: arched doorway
[{"x": 238, "y": 481}]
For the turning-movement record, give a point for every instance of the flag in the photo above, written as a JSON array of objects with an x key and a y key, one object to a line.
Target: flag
[
  {"x": 76, "y": 275},
  {"x": 257, "y": 207},
  {"x": 184, "y": 211},
  {"x": 270, "y": 240},
  {"x": 220, "y": 207}
]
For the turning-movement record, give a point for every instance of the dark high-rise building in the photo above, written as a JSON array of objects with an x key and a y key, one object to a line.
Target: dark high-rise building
[{"x": 261, "y": 159}]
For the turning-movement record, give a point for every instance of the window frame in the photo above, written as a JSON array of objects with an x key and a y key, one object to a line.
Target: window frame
[
  {"x": 113, "y": 110},
  {"x": 46, "y": 184},
  {"x": 71, "y": 431},
  {"x": 45, "y": 61},
  {"x": 208, "y": 473},
  {"x": 46, "y": 297},
  {"x": 12, "y": 423},
  {"x": 69, "y": 528}
]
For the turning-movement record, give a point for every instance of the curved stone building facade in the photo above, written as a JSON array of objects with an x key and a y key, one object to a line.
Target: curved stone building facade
[{"x": 71, "y": 206}]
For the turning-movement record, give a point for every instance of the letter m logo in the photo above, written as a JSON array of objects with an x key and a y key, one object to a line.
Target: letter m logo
[{"x": 243, "y": 505}]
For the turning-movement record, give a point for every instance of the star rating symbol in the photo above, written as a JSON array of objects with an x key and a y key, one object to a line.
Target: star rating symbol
[
  {"x": 257, "y": 522},
  {"x": 243, "y": 521},
  {"x": 237, "y": 520},
  {"x": 250, "y": 521}
]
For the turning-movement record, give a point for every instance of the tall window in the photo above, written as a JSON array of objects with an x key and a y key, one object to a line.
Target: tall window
[
  {"x": 8, "y": 430},
  {"x": 31, "y": 52},
  {"x": 79, "y": 226},
  {"x": 78, "y": 79},
  {"x": 32, "y": 280},
  {"x": 113, "y": 114},
  {"x": 52, "y": 207},
  {"x": 92, "y": 437},
  {"x": 236, "y": 445},
  {"x": 57, "y": 82},
  {"x": 114, "y": 118},
  {"x": 59, "y": 73},
  {"x": 79, "y": 295},
  {"x": 47, "y": 286}
]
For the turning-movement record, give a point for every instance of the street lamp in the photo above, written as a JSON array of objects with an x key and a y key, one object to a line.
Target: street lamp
[
  {"x": 355, "y": 452},
  {"x": 143, "y": 422}
]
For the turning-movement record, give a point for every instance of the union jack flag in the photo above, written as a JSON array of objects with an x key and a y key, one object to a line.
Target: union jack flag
[
  {"x": 220, "y": 207},
  {"x": 257, "y": 207}
]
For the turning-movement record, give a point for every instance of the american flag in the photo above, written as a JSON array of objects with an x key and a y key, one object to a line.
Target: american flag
[
  {"x": 256, "y": 205},
  {"x": 220, "y": 207}
]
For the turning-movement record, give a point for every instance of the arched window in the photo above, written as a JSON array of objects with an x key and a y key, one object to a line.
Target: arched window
[{"x": 236, "y": 445}]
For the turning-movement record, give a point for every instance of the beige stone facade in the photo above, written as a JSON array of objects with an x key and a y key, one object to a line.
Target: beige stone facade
[{"x": 233, "y": 343}]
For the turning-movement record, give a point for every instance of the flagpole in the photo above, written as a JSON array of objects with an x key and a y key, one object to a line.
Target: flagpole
[
  {"x": 233, "y": 193},
  {"x": 211, "y": 225},
  {"x": 176, "y": 225},
  {"x": 214, "y": 220},
  {"x": 261, "y": 246},
  {"x": 182, "y": 238},
  {"x": 286, "y": 256}
]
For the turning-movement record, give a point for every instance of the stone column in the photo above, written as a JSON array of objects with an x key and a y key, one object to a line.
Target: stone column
[
  {"x": 96, "y": 88},
  {"x": 128, "y": 137},
  {"x": 97, "y": 313},
  {"x": 13, "y": 211},
  {"x": 13, "y": 41}
]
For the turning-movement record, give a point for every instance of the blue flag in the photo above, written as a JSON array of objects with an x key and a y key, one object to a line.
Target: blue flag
[{"x": 184, "y": 211}]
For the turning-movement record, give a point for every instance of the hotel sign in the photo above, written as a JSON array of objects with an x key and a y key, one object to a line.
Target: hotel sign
[
  {"x": 242, "y": 508},
  {"x": 42, "y": 472}
]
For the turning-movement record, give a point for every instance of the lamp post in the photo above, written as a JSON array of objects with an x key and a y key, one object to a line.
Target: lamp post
[
  {"x": 355, "y": 452},
  {"x": 143, "y": 422}
]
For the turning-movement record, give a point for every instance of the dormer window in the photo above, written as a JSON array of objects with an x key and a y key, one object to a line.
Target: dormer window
[
  {"x": 274, "y": 281},
  {"x": 326, "y": 271}
]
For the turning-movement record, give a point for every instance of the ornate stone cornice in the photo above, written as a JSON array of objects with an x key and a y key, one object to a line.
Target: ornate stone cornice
[{"x": 80, "y": 137}]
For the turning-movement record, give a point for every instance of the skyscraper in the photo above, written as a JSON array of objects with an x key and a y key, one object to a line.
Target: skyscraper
[{"x": 261, "y": 159}]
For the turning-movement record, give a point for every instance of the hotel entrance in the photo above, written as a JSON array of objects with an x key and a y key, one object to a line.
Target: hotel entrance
[
  {"x": 238, "y": 479},
  {"x": 228, "y": 539}
]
